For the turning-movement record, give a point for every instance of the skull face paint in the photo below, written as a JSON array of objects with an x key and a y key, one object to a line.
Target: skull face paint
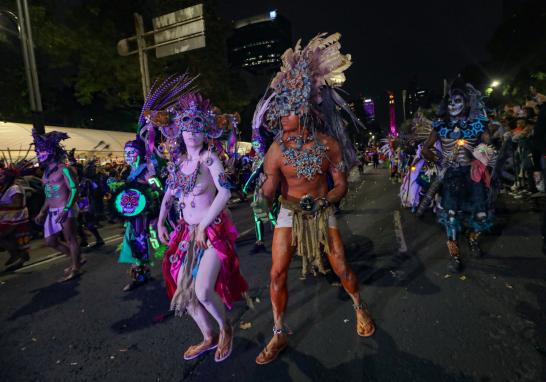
[
  {"x": 456, "y": 105},
  {"x": 131, "y": 156},
  {"x": 42, "y": 155}
]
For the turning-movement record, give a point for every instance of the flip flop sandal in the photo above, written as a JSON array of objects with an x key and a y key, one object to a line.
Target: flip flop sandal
[
  {"x": 193, "y": 356},
  {"x": 216, "y": 359}
]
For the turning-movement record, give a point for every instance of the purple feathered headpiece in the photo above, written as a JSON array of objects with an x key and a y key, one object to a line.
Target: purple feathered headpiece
[{"x": 50, "y": 142}]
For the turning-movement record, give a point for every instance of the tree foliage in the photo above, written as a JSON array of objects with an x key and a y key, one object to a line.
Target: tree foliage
[{"x": 84, "y": 82}]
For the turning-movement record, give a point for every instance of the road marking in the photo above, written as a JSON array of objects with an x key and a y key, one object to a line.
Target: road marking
[
  {"x": 402, "y": 247},
  {"x": 59, "y": 255}
]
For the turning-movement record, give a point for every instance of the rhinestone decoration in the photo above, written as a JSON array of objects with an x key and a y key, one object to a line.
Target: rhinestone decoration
[
  {"x": 307, "y": 162},
  {"x": 173, "y": 258}
]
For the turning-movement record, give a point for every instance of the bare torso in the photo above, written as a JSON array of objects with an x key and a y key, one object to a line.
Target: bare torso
[
  {"x": 294, "y": 186},
  {"x": 197, "y": 202},
  {"x": 56, "y": 186}
]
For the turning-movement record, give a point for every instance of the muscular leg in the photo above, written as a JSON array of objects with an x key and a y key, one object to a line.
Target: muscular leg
[
  {"x": 54, "y": 242},
  {"x": 336, "y": 257},
  {"x": 282, "y": 252},
  {"x": 69, "y": 231}
]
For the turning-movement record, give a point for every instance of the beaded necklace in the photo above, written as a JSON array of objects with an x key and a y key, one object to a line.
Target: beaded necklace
[
  {"x": 182, "y": 184},
  {"x": 307, "y": 162}
]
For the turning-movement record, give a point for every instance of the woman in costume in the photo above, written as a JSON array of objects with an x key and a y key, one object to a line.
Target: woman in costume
[
  {"x": 201, "y": 267},
  {"x": 465, "y": 178}
]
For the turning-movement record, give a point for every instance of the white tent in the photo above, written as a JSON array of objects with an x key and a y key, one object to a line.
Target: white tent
[{"x": 89, "y": 143}]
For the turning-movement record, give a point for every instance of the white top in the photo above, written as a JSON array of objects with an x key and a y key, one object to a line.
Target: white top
[{"x": 13, "y": 216}]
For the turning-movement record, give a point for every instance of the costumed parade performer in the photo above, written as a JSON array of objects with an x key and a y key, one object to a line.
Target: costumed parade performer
[
  {"x": 200, "y": 266},
  {"x": 461, "y": 129},
  {"x": 256, "y": 178},
  {"x": 87, "y": 204},
  {"x": 137, "y": 199},
  {"x": 60, "y": 211},
  {"x": 14, "y": 229},
  {"x": 302, "y": 109},
  {"x": 420, "y": 172}
]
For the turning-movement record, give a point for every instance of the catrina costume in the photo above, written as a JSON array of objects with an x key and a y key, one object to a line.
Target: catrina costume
[{"x": 465, "y": 177}]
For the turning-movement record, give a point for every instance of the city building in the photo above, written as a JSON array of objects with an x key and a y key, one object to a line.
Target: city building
[
  {"x": 413, "y": 99},
  {"x": 369, "y": 108},
  {"x": 258, "y": 42}
]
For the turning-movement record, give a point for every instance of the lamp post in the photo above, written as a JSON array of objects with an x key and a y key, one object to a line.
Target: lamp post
[{"x": 24, "y": 33}]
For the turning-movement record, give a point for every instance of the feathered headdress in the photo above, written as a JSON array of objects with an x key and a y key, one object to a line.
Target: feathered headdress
[
  {"x": 50, "y": 142},
  {"x": 156, "y": 112},
  {"x": 304, "y": 71},
  {"x": 306, "y": 86}
]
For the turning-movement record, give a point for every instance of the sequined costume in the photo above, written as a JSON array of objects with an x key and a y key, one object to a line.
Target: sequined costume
[{"x": 465, "y": 180}]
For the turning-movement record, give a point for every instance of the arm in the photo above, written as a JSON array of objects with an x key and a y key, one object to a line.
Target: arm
[
  {"x": 338, "y": 172},
  {"x": 272, "y": 172},
  {"x": 71, "y": 183},
  {"x": 223, "y": 195},
  {"x": 165, "y": 206},
  {"x": 428, "y": 154}
]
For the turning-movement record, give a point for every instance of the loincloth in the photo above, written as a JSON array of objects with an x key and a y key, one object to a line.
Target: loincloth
[{"x": 309, "y": 233}]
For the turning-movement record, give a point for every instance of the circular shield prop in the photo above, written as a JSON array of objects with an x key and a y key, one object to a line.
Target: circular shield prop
[{"x": 130, "y": 202}]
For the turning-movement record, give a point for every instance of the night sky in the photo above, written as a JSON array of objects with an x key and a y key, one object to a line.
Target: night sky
[{"x": 391, "y": 42}]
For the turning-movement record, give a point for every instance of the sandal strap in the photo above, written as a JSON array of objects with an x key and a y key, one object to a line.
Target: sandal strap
[
  {"x": 283, "y": 330},
  {"x": 360, "y": 306}
]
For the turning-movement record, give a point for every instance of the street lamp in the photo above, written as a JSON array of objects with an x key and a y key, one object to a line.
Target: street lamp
[{"x": 495, "y": 83}]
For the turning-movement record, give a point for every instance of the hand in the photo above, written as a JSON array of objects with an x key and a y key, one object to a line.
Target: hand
[
  {"x": 201, "y": 238},
  {"x": 163, "y": 234},
  {"x": 62, "y": 217},
  {"x": 40, "y": 218}
]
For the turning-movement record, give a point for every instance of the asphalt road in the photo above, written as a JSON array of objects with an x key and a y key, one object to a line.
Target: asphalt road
[{"x": 488, "y": 324}]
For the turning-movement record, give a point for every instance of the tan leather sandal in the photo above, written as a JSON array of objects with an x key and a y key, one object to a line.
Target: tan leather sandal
[
  {"x": 365, "y": 322},
  {"x": 276, "y": 345}
]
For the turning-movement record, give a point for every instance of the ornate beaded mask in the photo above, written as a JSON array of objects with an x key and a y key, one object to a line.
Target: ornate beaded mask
[{"x": 195, "y": 114}]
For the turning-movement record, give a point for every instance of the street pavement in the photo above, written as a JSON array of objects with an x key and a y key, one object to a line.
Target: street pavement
[{"x": 486, "y": 324}]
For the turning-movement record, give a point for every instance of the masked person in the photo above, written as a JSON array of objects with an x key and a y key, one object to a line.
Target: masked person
[
  {"x": 302, "y": 109},
  {"x": 14, "y": 229},
  {"x": 461, "y": 129},
  {"x": 60, "y": 210},
  {"x": 201, "y": 267},
  {"x": 87, "y": 204},
  {"x": 134, "y": 200}
]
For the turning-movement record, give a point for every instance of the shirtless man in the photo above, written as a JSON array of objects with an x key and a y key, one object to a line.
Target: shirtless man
[
  {"x": 59, "y": 212},
  {"x": 299, "y": 161}
]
